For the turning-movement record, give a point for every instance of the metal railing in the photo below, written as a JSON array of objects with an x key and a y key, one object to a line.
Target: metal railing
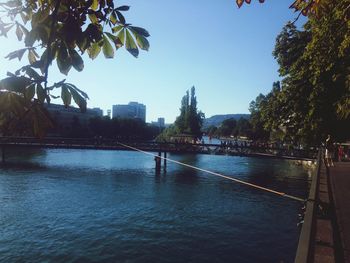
[
  {"x": 101, "y": 143},
  {"x": 307, "y": 235}
]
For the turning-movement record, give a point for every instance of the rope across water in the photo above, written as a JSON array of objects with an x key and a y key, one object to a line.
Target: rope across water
[{"x": 217, "y": 174}]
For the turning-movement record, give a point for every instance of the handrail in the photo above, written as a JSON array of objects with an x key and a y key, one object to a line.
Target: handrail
[
  {"x": 305, "y": 245},
  {"x": 113, "y": 142}
]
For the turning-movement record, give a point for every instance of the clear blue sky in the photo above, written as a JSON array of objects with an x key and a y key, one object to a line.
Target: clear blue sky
[{"x": 225, "y": 52}]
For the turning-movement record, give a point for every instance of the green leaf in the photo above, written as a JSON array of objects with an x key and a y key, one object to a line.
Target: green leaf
[
  {"x": 93, "y": 18},
  {"x": 40, "y": 92},
  {"x": 107, "y": 48},
  {"x": 121, "y": 38},
  {"x": 142, "y": 42},
  {"x": 82, "y": 43},
  {"x": 33, "y": 74},
  {"x": 25, "y": 17},
  {"x": 123, "y": 8},
  {"x": 130, "y": 44},
  {"x": 30, "y": 92},
  {"x": 94, "y": 50},
  {"x": 139, "y": 30},
  {"x": 31, "y": 56},
  {"x": 40, "y": 118},
  {"x": 66, "y": 95},
  {"x": 64, "y": 61},
  {"x": 94, "y": 4},
  {"x": 113, "y": 18},
  {"x": 78, "y": 90},
  {"x": 30, "y": 38},
  {"x": 120, "y": 17},
  {"x": 114, "y": 39},
  {"x": 19, "y": 33},
  {"x": 78, "y": 99},
  {"x": 5, "y": 29},
  {"x": 24, "y": 30},
  {"x": 40, "y": 16},
  {"x": 15, "y": 84},
  {"x": 16, "y": 54},
  {"x": 43, "y": 61},
  {"x": 12, "y": 102},
  {"x": 117, "y": 29},
  {"x": 77, "y": 61}
]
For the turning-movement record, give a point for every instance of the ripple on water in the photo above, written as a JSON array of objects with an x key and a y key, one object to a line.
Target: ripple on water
[{"x": 97, "y": 206}]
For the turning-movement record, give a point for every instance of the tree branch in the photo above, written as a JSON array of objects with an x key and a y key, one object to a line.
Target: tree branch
[{"x": 49, "y": 50}]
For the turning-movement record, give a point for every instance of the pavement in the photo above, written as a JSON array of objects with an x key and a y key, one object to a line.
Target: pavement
[{"x": 340, "y": 185}]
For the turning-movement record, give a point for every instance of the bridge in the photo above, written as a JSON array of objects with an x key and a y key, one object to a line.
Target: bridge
[{"x": 248, "y": 149}]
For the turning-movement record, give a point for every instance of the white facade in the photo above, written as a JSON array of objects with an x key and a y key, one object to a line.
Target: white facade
[{"x": 133, "y": 110}]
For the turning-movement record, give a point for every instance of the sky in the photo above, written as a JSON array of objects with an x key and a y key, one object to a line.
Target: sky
[{"x": 225, "y": 52}]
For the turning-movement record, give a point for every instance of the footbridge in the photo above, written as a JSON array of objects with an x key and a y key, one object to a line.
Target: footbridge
[{"x": 235, "y": 149}]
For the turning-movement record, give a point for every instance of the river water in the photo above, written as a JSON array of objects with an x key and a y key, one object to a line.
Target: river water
[{"x": 109, "y": 206}]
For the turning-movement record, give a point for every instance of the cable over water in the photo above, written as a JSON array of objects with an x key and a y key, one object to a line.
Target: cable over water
[{"x": 217, "y": 174}]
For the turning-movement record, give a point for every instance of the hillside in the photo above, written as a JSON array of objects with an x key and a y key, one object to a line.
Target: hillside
[{"x": 216, "y": 120}]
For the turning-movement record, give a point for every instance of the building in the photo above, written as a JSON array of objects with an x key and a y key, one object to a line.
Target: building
[
  {"x": 133, "y": 110},
  {"x": 97, "y": 110},
  {"x": 109, "y": 113},
  {"x": 159, "y": 123},
  {"x": 66, "y": 118}
]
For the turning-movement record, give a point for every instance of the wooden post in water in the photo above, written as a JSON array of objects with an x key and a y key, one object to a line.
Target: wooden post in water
[
  {"x": 164, "y": 163},
  {"x": 2, "y": 154},
  {"x": 158, "y": 161}
]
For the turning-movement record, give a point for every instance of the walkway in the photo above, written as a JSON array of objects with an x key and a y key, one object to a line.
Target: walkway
[
  {"x": 242, "y": 149},
  {"x": 340, "y": 183},
  {"x": 325, "y": 234}
]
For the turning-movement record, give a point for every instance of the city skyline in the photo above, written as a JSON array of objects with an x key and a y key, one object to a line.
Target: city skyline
[{"x": 217, "y": 55}]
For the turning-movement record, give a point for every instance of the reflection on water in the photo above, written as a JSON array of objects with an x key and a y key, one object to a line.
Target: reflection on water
[{"x": 97, "y": 206}]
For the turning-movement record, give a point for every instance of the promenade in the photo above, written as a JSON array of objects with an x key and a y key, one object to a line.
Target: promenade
[
  {"x": 325, "y": 235},
  {"x": 340, "y": 185}
]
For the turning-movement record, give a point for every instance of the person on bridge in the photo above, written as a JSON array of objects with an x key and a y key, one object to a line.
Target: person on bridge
[{"x": 328, "y": 153}]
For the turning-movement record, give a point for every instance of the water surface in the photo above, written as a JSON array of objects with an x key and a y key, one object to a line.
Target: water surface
[{"x": 109, "y": 206}]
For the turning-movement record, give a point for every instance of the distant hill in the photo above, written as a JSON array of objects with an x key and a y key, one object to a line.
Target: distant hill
[{"x": 216, "y": 120}]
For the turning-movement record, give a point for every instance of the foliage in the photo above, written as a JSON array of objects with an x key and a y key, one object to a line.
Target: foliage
[
  {"x": 305, "y": 7},
  {"x": 314, "y": 97},
  {"x": 190, "y": 120},
  {"x": 122, "y": 129},
  {"x": 257, "y": 119},
  {"x": 167, "y": 134},
  {"x": 61, "y": 31},
  {"x": 231, "y": 127}
]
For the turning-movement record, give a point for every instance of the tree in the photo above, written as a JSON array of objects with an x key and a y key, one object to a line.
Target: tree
[
  {"x": 314, "y": 98},
  {"x": 304, "y": 7},
  {"x": 61, "y": 31},
  {"x": 121, "y": 129},
  {"x": 257, "y": 120},
  {"x": 190, "y": 120},
  {"x": 243, "y": 128},
  {"x": 227, "y": 128}
]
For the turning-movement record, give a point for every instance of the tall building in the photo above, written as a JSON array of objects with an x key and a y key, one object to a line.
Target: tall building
[
  {"x": 133, "y": 110},
  {"x": 109, "y": 113},
  {"x": 161, "y": 122}
]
